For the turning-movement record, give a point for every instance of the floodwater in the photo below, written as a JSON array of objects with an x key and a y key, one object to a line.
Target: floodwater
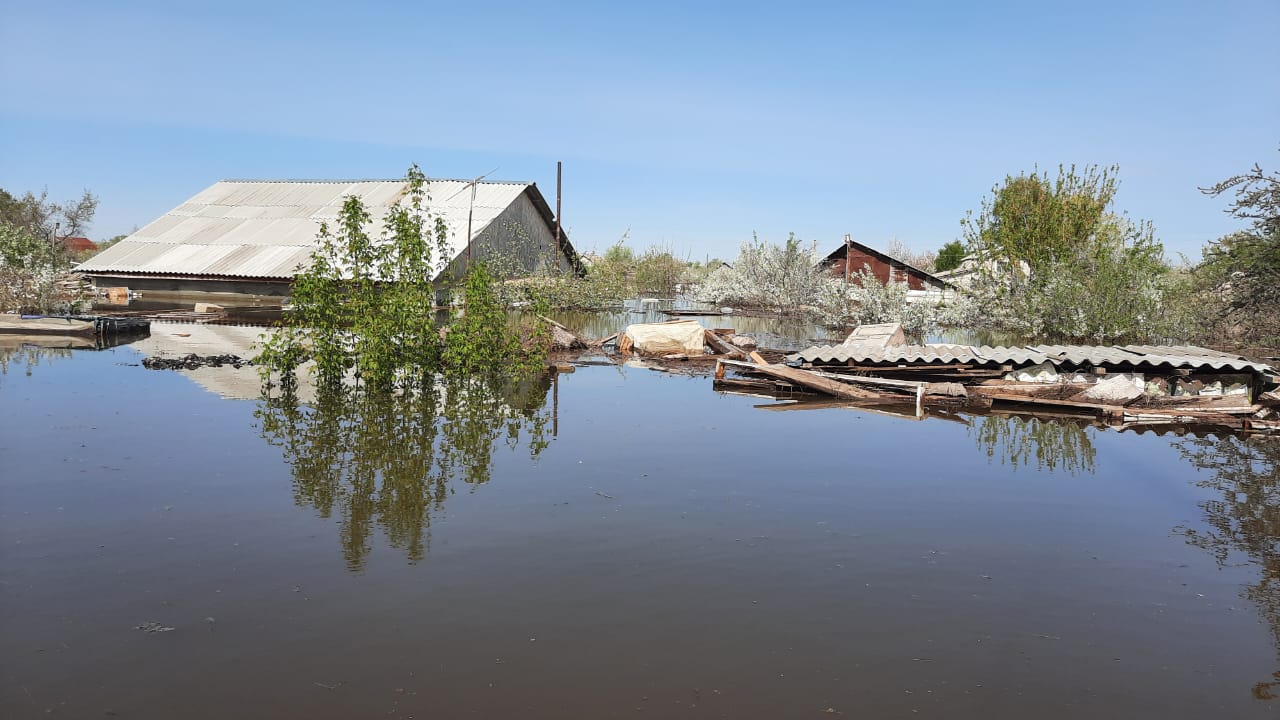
[{"x": 614, "y": 543}]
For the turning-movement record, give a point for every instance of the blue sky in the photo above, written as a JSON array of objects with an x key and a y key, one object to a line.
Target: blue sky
[{"x": 690, "y": 125}]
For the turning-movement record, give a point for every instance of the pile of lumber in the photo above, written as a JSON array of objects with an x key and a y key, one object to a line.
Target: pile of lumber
[{"x": 1181, "y": 396}]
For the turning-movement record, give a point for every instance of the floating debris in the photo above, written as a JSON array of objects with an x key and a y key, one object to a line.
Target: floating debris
[
  {"x": 1120, "y": 386},
  {"x": 193, "y": 361}
]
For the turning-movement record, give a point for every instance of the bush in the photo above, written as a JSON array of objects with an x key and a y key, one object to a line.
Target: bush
[
  {"x": 868, "y": 301},
  {"x": 782, "y": 279},
  {"x": 1236, "y": 286},
  {"x": 367, "y": 306},
  {"x": 1054, "y": 262},
  {"x": 950, "y": 256},
  {"x": 787, "y": 280},
  {"x": 29, "y": 270}
]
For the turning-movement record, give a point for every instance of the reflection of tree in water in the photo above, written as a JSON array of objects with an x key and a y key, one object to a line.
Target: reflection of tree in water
[
  {"x": 390, "y": 460},
  {"x": 1050, "y": 444},
  {"x": 1243, "y": 517},
  {"x": 28, "y": 356}
]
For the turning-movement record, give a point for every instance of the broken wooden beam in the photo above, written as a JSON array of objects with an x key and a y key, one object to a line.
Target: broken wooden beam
[
  {"x": 723, "y": 347},
  {"x": 1104, "y": 409},
  {"x": 806, "y": 378},
  {"x": 909, "y": 386}
]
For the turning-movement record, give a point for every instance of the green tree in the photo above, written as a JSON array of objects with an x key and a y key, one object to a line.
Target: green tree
[
  {"x": 41, "y": 216},
  {"x": 949, "y": 256},
  {"x": 1056, "y": 261},
  {"x": 29, "y": 268},
  {"x": 31, "y": 257},
  {"x": 365, "y": 306},
  {"x": 1038, "y": 220},
  {"x": 1238, "y": 280}
]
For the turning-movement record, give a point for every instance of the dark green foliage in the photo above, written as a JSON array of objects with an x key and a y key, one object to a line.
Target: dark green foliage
[
  {"x": 949, "y": 256},
  {"x": 480, "y": 342}
]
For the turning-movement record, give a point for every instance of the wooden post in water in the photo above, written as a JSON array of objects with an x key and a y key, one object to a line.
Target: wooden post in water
[{"x": 559, "y": 167}]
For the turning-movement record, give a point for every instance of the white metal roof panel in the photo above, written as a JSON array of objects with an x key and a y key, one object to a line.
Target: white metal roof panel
[{"x": 238, "y": 228}]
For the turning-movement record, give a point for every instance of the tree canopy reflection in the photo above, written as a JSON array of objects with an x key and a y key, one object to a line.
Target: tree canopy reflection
[
  {"x": 1243, "y": 519},
  {"x": 1031, "y": 442},
  {"x": 388, "y": 462},
  {"x": 27, "y": 357}
]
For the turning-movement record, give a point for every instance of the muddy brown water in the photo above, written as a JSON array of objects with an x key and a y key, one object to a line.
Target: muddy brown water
[{"x": 620, "y": 543}]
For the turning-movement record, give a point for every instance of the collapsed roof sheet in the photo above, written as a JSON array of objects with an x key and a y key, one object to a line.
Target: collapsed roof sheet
[{"x": 1152, "y": 356}]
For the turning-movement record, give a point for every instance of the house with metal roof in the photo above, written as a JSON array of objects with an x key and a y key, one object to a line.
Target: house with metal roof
[
  {"x": 251, "y": 237},
  {"x": 75, "y": 244},
  {"x": 852, "y": 257}
]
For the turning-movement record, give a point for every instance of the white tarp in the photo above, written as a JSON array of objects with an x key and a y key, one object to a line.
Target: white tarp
[{"x": 685, "y": 337}]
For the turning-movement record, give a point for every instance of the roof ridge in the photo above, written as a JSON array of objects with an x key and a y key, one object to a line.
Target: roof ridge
[{"x": 348, "y": 181}]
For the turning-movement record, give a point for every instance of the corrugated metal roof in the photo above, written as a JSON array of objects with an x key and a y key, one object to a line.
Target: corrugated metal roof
[
  {"x": 1151, "y": 356},
  {"x": 266, "y": 229}
]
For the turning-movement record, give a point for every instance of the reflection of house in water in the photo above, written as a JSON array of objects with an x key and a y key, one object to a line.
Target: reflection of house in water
[
  {"x": 175, "y": 340},
  {"x": 375, "y": 463}
]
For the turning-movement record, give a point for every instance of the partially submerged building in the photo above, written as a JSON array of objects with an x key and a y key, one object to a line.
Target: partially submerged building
[
  {"x": 77, "y": 244},
  {"x": 853, "y": 257},
  {"x": 251, "y": 237}
]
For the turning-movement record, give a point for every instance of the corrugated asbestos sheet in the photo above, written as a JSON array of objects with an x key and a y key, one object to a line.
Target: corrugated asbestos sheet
[
  {"x": 266, "y": 229},
  {"x": 1073, "y": 356}
]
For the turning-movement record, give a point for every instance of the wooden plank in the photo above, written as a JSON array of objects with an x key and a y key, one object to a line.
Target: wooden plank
[
  {"x": 757, "y": 358},
  {"x": 1028, "y": 399},
  {"x": 722, "y": 347},
  {"x": 952, "y": 389},
  {"x": 1170, "y": 412},
  {"x": 778, "y": 387},
  {"x": 1053, "y": 391},
  {"x": 546, "y": 319},
  {"x": 868, "y": 405},
  {"x": 808, "y": 379}
]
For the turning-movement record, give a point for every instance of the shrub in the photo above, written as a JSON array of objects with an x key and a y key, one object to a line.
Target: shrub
[
  {"x": 29, "y": 270},
  {"x": 367, "y": 305}
]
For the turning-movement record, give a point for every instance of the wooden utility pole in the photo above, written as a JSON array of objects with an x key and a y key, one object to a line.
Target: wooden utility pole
[{"x": 559, "y": 253}]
